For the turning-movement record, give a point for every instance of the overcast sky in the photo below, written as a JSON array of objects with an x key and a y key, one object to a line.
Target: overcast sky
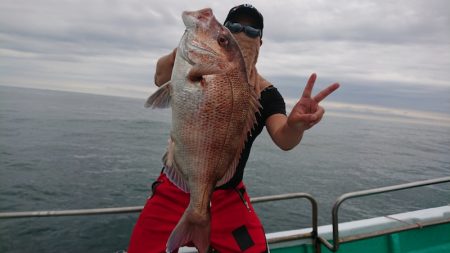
[{"x": 111, "y": 47}]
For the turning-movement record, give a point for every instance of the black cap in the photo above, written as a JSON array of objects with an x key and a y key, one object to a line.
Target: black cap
[{"x": 248, "y": 10}]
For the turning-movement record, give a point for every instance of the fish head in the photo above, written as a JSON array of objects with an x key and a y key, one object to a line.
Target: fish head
[{"x": 209, "y": 43}]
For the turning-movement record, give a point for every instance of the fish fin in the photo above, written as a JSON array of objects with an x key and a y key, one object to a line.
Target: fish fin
[
  {"x": 176, "y": 178},
  {"x": 171, "y": 170},
  {"x": 192, "y": 228},
  {"x": 251, "y": 121},
  {"x": 255, "y": 107},
  {"x": 228, "y": 175},
  {"x": 161, "y": 97}
]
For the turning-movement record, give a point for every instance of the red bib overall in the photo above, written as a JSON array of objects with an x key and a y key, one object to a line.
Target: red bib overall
[{"x": 235, "y": 227}]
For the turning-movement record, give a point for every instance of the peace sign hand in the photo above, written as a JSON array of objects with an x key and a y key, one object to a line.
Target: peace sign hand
[{"x": 307, "y": 112}]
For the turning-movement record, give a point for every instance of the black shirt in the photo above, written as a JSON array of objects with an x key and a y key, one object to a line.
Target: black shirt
[{"x": 272, "y": 103}]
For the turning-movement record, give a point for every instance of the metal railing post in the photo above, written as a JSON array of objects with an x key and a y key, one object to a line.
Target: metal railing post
[
  {"x": 336, "y": 240},
  {"x": 314, "y": 211}
]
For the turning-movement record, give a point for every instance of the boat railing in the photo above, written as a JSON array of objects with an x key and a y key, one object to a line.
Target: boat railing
[
  {"x": 314, "y": 216},
  {"x": 335, "y": 218},
  {"x": 135, "y": 209},
  {"x": 313, "y": 235}
]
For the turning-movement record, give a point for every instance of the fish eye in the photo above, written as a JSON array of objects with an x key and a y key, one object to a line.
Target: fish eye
[{"x": 222, "y": 40}]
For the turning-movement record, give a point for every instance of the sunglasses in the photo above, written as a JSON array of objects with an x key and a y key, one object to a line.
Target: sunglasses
[{"x": 248, "y": 30}]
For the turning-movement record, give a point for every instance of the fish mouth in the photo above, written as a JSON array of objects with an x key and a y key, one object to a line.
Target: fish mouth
[{"x": 192, "y": 45}]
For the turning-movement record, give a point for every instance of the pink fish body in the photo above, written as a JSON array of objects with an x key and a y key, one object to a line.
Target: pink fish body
[{"x": 213, "y": 109}]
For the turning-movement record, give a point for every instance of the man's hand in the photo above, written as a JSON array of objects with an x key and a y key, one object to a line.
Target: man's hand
[
  {"x": 307, "y": 112},
  {"x": 164, "y": 68}
]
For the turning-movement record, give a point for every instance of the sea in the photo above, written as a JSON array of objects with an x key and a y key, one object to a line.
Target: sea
[{"x": 66, "y": 150}]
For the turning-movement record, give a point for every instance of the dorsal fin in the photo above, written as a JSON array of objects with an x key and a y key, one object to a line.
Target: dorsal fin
[{"x": 254, "y": 106}]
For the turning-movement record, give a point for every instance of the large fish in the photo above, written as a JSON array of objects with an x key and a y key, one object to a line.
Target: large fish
[{"x": 213, "y": 109}]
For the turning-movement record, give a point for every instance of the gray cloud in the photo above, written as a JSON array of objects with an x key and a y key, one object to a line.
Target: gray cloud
[
  {"x": 365, "y": 21},
  {"x": 110, "y": 46},
  {"x": 64, "y": 27}
]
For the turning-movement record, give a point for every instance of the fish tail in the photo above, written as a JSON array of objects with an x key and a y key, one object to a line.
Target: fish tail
[{"x": 192, "y": 228}]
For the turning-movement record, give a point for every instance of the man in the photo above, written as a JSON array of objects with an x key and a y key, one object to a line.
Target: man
[{"x": 235, "y": 227}]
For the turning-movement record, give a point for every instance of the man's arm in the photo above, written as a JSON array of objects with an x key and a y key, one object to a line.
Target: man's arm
[
  {"x": 287, "y": 131},
  {"x": 282, "y": 135},
  {"x": 164, "y": 68}
]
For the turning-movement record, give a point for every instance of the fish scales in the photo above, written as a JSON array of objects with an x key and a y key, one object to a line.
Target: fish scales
[{"x": 213, "y": 109}]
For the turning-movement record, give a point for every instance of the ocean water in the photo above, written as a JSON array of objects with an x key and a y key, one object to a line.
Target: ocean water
[{"x": 61, "y": 150}]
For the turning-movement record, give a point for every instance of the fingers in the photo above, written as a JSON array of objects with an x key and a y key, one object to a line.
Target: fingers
[
  {"x": 317, "y": 116},
  {"x": 308, "y": 118},
  {"x": 324, "y": 93},
  {"x": 321, "y": 95},
  {"x": 309, "y": 86}
]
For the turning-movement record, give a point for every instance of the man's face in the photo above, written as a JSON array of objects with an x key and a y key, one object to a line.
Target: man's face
[{"x": 246, "y": 21}]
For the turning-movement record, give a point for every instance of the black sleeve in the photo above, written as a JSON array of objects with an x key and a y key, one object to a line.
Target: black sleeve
[{"x": 272, "y": 102}]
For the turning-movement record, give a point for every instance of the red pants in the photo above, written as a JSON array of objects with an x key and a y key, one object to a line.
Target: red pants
[{"x": 235, "y": 227}]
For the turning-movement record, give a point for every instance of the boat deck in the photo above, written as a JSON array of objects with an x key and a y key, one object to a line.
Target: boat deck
[{"x": 423, "y": 231}]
